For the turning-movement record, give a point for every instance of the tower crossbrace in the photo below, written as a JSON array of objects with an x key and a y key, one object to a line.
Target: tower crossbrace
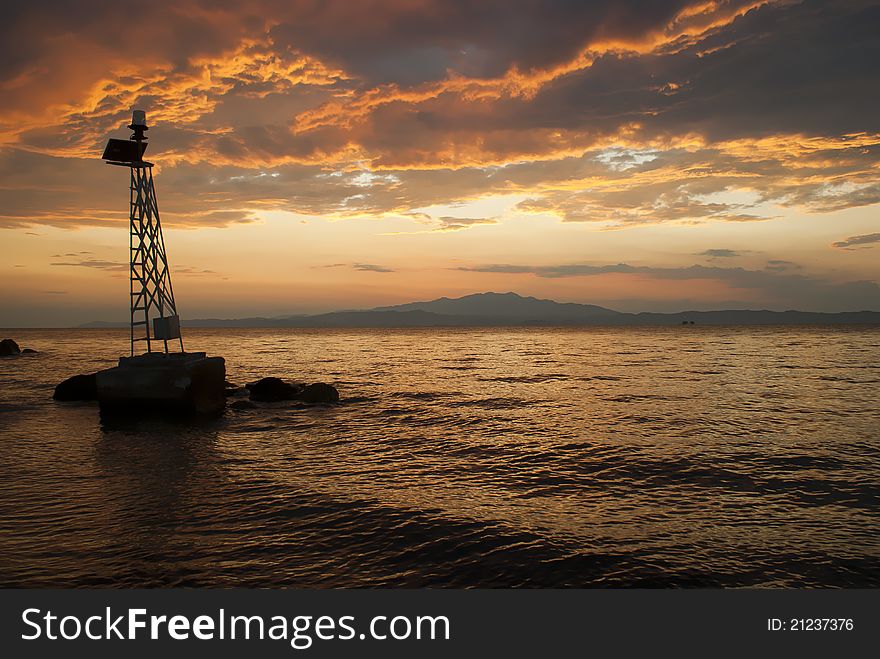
[{"x": 152, "y": 295}]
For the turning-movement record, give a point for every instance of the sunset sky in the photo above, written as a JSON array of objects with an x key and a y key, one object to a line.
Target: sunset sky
[{"x": 311, "y": 156}]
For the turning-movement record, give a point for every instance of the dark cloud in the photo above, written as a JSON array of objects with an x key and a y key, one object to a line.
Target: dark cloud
[
  {"x": 778, "y": 265},
  {"x": 553, "y": 271},
  {"x": 95, "y": 264},
  {"x": 194, "y": 272},
  {"x": 115, "y": 266},
  {"x": 363, "y": 267},
  {"x": 408, "y": 42},
  {"x": 856, "y": 241},
  {"x": 720, "y": 253},
  {"x": 69, "y": 192},
  {"x": 371, "y": 267},
  {"x": 804, "y": 67},
  {"x": 447, "y": 223}
]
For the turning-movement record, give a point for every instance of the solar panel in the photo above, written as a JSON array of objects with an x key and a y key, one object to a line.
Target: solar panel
[{"x": 123, "y": 151}]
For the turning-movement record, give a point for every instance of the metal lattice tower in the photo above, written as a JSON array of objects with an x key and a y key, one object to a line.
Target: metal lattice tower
[
  {"x": 154, "y": 315},
  {"x": 151, "y": 290}
]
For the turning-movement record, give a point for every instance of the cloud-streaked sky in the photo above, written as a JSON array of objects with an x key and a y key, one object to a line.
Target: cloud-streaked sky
[{"x": 638, "y": 154}]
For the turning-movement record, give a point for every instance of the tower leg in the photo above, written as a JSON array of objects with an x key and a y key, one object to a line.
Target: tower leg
[{"x": 152, "y": 297}]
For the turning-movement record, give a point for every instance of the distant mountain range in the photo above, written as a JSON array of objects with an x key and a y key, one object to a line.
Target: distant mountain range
[{"x": 510, "y": 309}]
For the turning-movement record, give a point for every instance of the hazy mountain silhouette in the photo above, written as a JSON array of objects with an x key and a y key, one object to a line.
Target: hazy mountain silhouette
[
  {"x": 510, "y": 309},
  {"x": 507, "y": 305}
]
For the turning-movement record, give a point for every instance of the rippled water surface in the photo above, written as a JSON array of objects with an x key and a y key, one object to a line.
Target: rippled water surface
[{"x": 489, "y": 457}]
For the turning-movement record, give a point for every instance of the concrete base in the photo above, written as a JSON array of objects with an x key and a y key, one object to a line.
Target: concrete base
[{"x": 176, "y": 382}]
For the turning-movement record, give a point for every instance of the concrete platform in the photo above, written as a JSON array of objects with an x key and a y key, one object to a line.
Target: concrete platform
[{"x": 176, "y": 382}]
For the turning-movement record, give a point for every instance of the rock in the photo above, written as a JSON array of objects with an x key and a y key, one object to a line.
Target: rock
[
  {"x": 242, "y": 405},
  {"x": 9, "y": 347},
  {"x": 29, "y": 351},
  {"x": 270, "y": 390},
  {"x": 319, "y": 393},
  {"x": 79, "y": 387}
]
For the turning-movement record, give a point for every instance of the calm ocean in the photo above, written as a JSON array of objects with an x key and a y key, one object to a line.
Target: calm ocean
[{"x": 680, "y": 456}]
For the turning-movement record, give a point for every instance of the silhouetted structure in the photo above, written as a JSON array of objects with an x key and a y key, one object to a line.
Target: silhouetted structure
[
  {"x": 156, "y": 380},
  {"x": 152, "y": 296}
]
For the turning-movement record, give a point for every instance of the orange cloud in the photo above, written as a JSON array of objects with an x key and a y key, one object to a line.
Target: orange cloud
[{"x": 176, "y": 96}]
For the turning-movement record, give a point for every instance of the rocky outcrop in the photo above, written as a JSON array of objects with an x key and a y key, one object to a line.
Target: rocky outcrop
[
  {"x": 79, "y": 387},
  {"x": 272, "y": 390},
  {"x": 319, "y": 393},
  {"x": 8, "y": 347},
  {"x": 230, "y": 389}
]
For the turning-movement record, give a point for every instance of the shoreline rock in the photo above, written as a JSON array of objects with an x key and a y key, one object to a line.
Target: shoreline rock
[
  {"x": 9, "y": 348},
  {"x": 265, "y": 390},
  {"x": 231, "y": 389},
  {"x": 272, "y": 390},
  {"x": 319, "y": 392},
  {"x": 77, "y": 388}
]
